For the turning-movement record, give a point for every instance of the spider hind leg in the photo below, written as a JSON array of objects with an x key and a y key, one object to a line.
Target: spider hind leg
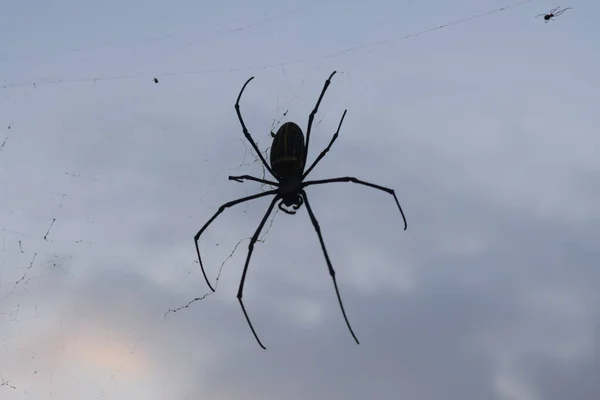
[
  {"x": 243, "y": 280},
  {"x": 215, "y": 215},
  {"x": 315, "y": 224}
]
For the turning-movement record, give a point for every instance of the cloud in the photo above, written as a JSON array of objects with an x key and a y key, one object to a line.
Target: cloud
[{"x": 490, "y": 293}]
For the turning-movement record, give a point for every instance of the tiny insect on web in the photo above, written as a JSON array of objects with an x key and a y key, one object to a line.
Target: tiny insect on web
[{"x": 288, "y": 156}]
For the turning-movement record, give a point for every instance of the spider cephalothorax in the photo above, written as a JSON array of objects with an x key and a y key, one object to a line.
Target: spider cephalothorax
[{"x": 287, "y": 165}]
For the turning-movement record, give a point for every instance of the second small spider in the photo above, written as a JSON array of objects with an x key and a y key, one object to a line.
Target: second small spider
[
  {"x": 287, "y": 166},
  {"x": 553, "y": 13}
]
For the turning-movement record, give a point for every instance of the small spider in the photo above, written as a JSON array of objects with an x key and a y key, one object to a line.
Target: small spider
[
  {"x": 553, "y": 13},
  {"x": 287, "y": 165}
]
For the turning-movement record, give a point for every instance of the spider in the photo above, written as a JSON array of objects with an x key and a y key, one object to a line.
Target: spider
[
  {"x": 553, "y": 13},
  {"x": 287, "y": 165}
]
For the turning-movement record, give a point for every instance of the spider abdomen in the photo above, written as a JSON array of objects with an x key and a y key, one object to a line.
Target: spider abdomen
[{"x": 287, "y": 151}]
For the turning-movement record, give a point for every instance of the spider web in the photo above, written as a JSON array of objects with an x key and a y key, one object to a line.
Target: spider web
[
  {"x": 307, "y": 60},
  {"x": 284, "y": 102},
  {"x": 35, "y": 255}
]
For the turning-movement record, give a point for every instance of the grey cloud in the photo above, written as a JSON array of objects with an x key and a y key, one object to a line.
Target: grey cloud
[{"x": 491, "y": 293}]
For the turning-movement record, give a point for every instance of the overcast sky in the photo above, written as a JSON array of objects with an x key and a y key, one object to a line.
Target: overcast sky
[{"x": 486, "y": 129}]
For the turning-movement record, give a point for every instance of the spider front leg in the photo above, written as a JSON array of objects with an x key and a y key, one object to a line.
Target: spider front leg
[
  {"x": 315, "y": 223},
  {"x": 360, "y": 182},
  {"x": 219, "y": 211},
  {"x": 311, "y": 117},
  {"x": 250, "y": 250},
  {"x": 333, "y": 139},
  {"x": 245, "y": 130},
  {"x": 562, "y": 11}
]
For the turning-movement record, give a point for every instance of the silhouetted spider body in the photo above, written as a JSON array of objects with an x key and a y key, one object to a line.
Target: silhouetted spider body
[
  {"x": 287, "y": 162},
  {"x": 287, "y": 165},
  {"x": 555, "y": 12}
]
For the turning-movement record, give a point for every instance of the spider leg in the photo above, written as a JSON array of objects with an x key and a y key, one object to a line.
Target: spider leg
[
  {"x": 250, "y": 250},
  {"x": 314, "y": 112},
  {"x": 245, "y": 130},
  {"x": 315, "y": 223},
  {"x": 554, "y": 10},
  {"x": 360, "y": 182},
  {"x": 241, "y": 178},
  {"x": 562, "y": 11},
  {"x": 219, "y": 211},
  {"x": 333, "y": 139}
]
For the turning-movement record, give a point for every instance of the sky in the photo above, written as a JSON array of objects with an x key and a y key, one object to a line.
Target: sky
[{"x": 486, "y": 129}]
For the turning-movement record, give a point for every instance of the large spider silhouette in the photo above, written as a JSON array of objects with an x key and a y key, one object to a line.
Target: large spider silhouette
[{"x": 288, "y": 160}]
